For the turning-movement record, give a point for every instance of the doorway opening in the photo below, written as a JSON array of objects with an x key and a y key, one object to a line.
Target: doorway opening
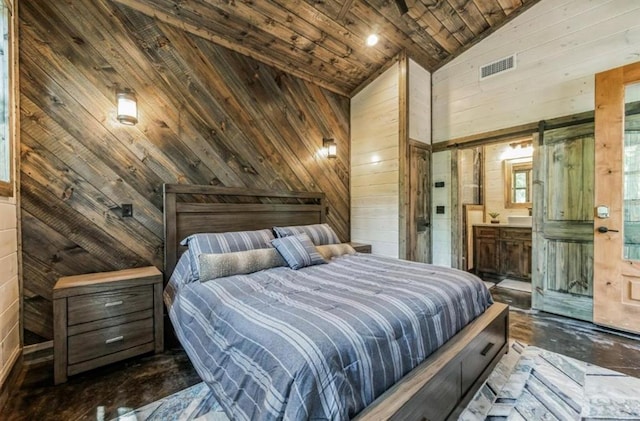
[{"x": 495, "y": 193}]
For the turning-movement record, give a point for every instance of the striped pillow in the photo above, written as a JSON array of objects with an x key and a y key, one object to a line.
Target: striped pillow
[
  {"x": 214, "y": 266},
  {"x": 224, "y": 242},
  {"x": 320, "y": 234},
  {"x": 298, "y": 251}
]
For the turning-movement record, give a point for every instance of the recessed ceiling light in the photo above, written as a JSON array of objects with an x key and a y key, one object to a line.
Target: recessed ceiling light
[{"x": 372, "y": 40}]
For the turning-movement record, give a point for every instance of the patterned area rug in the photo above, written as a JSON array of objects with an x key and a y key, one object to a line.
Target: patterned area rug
[
  {"x": 528, "y": 383},
  {"x": 193, "y": 403}
]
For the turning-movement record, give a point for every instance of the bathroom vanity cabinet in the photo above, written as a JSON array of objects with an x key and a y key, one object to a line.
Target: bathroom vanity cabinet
[{"x": 502, "y": 251}]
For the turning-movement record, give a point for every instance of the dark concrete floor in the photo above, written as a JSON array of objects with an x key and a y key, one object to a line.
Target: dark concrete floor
[
  {"x": 131, "y": 384},
  {"x": 584, "y": 341},
  {"x": 137, "y": 382}
]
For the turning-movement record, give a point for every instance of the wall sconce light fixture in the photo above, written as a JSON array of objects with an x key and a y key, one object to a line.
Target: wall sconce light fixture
[
  {"x": 127, "y": 107},
  {"x": 521, "y": 144},
  {"x": 330, "y": 147}
]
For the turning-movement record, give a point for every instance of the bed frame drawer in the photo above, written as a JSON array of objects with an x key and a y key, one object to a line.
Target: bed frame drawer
[
  {"x": 479, "y": 353},
  {"x": 90, "y": 307},
  {"x": 436, "y": 400},
  {"x": 440, "y": 387}
]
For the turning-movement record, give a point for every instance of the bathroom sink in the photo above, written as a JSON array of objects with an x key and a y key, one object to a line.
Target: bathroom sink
[{"x": 520, "y": 220}]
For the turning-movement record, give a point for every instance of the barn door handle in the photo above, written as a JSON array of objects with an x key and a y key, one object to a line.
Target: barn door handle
[{"x": 605, "y": 230}]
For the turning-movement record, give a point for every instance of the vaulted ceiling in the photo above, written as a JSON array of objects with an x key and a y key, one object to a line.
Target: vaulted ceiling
[{"x": 323, "y": 41}]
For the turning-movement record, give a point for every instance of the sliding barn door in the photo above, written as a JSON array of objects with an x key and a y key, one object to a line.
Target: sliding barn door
[
  {"x": 617, "y": 234},
  {"x": 562, "y": 277}
]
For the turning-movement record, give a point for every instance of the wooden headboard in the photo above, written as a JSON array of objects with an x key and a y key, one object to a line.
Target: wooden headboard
[{"x": 190, "y": 209}]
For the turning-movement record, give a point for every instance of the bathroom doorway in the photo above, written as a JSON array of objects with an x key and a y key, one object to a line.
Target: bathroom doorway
[
  {"x": 495, "y": 194},
  {"x": 495, "y": 184}
]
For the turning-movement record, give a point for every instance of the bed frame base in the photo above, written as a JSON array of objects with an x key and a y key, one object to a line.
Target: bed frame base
[{"x": 442, "y": 386}]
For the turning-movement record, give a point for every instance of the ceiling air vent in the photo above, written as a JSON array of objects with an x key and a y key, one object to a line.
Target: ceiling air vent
[{"x": 500, "y": 66}]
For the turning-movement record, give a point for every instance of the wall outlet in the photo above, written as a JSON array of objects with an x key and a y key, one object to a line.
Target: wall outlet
[{"x": 127, "y": 210}]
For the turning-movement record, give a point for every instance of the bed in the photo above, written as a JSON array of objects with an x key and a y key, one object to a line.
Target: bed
[{"x": 361, "y": 337}]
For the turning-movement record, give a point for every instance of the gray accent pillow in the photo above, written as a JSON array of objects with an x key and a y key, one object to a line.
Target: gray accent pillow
[
  {"x": 224, "y": 242},
  {"x": 213, "y": 266},
  {"x": 298, "y": 251},
  {"x": 320, "y": 234},
  {"x": 329, "y": 251}
]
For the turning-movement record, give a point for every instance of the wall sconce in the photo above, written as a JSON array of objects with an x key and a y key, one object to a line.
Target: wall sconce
[
  {"x": 127, "y": 107},
  {"x": 330, "y": 147},
  {"x": 522, "y": 144}
]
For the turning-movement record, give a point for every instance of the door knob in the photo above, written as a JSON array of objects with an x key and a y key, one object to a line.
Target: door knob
[
  {"x": 605, "y": 229},
  {"x": 422, "y": 224}
]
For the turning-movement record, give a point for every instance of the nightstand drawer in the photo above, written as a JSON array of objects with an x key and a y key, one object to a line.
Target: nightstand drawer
[
  {"x": 90, "y": 307},
  {"x": 103, "y": 317},
  {"x": 94, "y": 344}
]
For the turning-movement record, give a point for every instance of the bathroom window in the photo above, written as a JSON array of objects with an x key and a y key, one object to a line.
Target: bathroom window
[
  {"x": 6, "y": 161},
  {"x": 518, "y": 183}
]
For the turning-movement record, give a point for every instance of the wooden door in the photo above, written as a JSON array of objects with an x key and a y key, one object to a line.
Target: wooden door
[
  {"x": 419, "y": 241},
  {"x": 562, "y": 277},
  {"x": 617, "y": 237}
]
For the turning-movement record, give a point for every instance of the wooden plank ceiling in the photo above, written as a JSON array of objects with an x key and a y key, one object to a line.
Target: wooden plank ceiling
[{"x": 323, "y": 41}]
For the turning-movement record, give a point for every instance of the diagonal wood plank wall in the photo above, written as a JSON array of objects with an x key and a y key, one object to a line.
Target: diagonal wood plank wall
[{"x": 207, "y": 116}]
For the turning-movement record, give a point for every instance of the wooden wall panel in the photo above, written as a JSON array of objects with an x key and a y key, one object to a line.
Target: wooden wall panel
[
  {"x": 560, "y": 45},
  {"x": 419, "y": 103},
  {"x": 375, "y": 164},
  {"x": 207, "y": 115},
  {"x": 10, "y": 337},
  {"x": 441, "y": 163}
]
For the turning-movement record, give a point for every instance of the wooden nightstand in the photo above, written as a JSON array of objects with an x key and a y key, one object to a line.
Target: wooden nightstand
[
  {"x": 101, "y": 318},
  {"x": 361, "y": 247}
]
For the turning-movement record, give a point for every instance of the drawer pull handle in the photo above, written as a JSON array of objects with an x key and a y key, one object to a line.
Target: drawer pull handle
[
  {"x": 112, "y": 340},
  {"x": 487, "y": 348},
  {"x": 114, "y": 303}
]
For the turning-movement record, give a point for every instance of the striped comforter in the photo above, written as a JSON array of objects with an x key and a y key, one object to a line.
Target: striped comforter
[{"x": 321, "y": 342}]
